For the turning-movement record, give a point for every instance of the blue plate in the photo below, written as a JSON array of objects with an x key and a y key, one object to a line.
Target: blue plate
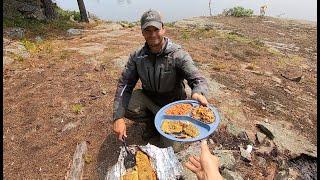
[{"x": 204, "y": 129}]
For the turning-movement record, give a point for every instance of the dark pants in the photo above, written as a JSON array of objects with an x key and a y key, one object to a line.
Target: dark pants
[{"x": 141, "y": 108}]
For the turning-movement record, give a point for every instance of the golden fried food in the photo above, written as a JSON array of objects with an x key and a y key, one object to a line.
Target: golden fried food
[
  {"x": 179, "y": 109},
  {"x": 144, "y": 168},
  {"x": 132, "y": 175},
  {"x": 171, "y": 126},
  {"x": 191, "y": 130},
  {"x": 203, "y": 114},
  {"x": 180, "y": 129}
]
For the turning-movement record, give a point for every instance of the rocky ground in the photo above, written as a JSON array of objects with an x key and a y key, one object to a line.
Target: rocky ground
[{"x": 261, "y": 71}]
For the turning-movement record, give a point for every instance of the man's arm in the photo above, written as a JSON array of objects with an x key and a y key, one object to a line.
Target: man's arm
[
  {"x": 126, "y": 84},
  {"x": 196, "y": 81}
]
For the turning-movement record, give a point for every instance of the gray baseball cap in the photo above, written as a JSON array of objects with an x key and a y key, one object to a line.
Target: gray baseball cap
[{"x": 151, "y": 18}]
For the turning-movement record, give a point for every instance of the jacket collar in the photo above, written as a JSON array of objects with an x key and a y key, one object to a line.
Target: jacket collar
[{"x": 168, "y": 47}]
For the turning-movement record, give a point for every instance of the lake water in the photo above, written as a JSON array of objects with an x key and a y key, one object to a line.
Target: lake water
[{"x": 173, "y": 10}]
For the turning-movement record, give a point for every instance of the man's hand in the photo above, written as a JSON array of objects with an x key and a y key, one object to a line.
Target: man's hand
[
  {"x": 200, "y": 98},
  {"x": 119, "y": 127},
  {"x": 207, "y": 166}
]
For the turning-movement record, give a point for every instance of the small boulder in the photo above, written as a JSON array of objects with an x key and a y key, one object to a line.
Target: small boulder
[
  {"x": 260, "y": 137},
  {"x": 17, "y": 33},
  {"x": 246, "y": 155},
  {"x": 38, "y": 39},
  {"x": 73, "y": 31},
  {"x": 226, "y": 158},
  {"x": 261, "y": 161}
]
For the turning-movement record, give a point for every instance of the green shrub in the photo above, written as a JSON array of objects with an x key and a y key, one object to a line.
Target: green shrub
[
  {"x": 238, "y": 11},
  {"x": 185, "y": 35},
  {"x": 77, "y": 108},
  {"x": 65, "y": 14},
  {"x": 30, "y": 46},
  {"x": 45, "y": 28}
]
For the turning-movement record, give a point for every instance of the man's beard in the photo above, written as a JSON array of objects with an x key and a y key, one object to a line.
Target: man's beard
[{"x": 151, "y": 44}]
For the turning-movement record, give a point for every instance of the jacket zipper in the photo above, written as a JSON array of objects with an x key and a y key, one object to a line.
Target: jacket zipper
[
  {"x": 159, "y": 79},
  {"x": 149, "y": 78},
  {"x": 154, "y": 73}
]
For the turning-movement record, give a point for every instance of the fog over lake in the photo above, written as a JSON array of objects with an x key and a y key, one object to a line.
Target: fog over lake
[{"x": 173, "y": 10}]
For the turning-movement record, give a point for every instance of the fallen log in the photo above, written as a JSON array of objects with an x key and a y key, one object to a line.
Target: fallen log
[{"x": 76, "y": 170}]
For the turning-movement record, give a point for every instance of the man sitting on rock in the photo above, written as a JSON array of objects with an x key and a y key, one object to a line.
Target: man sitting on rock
[{"x": 161, "y": 65}]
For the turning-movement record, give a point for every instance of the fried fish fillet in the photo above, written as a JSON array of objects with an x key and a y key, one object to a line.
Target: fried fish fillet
[
  {"x": 144, "y": 168},
  {"x": 133, "y": 175},
  {"x": 191, "y": 130},
  {"x": 203, "y": 114},
  {"x": 186, "y": 129},
  {"x": 169, "y": 127}
]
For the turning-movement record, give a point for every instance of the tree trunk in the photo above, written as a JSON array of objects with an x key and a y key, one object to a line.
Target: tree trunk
[
  {"x": 49, "y": 9},
  {"x": 83, "y": 11},
  {"x": 210, "y": 7}
]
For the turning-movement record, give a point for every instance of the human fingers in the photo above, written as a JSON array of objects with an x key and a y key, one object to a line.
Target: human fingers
[
  {"x": 204, "y": 147},
  {"x": 125, "y": 131},
  {"x": 203, "y": 100},
  {"x": 191, "y": 167},
  {"x": 195, "y": 162},
  {"x": 120, "y": 136},
  {"x": 197, "y": 158}
]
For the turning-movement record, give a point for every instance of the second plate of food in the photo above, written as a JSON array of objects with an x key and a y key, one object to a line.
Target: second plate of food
[{"x": 186, "y": 121}]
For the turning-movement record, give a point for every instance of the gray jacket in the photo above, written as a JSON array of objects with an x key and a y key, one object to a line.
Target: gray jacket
[{"x": 161, "y": 75}]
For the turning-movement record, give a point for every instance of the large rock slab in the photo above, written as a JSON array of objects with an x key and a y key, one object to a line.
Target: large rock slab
[
  {"x": 282, "y": 46},
  {"x": 121, "y": 61},
  {"x": 88, "y": 48},
  {"x": 12, "y": 50},
  {"x": 108, "y": 27},
  {"x": 288, "y": 141},
  {"x": 198, "y": 22}
]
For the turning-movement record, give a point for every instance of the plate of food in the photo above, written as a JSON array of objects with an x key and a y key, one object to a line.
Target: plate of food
[{"x": 187, "y": 121}]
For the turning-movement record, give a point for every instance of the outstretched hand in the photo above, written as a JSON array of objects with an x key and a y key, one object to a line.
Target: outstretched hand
[{"x": 207, "y": 166}]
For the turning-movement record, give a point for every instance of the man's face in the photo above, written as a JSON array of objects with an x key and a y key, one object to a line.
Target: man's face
[{"x": 153, "y": 35}]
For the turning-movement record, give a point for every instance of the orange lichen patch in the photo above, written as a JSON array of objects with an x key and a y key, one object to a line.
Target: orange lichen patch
[
  {"x": 179, "y": 109},
  {"x": 203, "y": 114}
]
